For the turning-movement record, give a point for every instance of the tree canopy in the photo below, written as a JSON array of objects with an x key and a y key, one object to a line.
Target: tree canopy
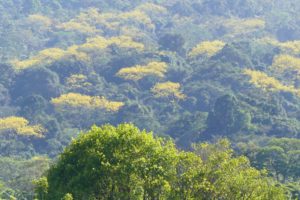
[{"x": 125, "y": 163}]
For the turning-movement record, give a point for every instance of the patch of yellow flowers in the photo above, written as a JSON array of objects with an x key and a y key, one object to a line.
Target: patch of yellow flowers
[
  {"x": 207, "y": 48},
  {"x": 138, "y": 72},
  {"x": 168, "y": 89},
  {"x": 91, "y": 102},
  {"x": 20, "y": 126},
  {"x": 267, "y": 83}
]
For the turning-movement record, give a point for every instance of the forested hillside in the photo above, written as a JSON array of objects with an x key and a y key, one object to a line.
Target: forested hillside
[{"x": 191, "y": 71}]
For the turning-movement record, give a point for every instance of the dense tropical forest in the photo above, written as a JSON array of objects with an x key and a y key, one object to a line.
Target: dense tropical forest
[{"x": 83, "y": 83}]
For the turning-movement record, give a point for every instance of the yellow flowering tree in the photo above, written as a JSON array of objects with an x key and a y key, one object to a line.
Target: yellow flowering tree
[
  {"x": 79, "y": 52},
  {"x": 76, "y": 100},
  {"x": 237, "y": 26},
  {"x": 267, "y": 83},
  {"x": 48, "y": 56},
  {"x": 45, "y": 56},
  {"x": 137, "y": 16},
  {"x": 287, "y": 67},
  {"x": 207, "y": 48},
  {"x": 80, "y": 27},
  {"x": 40, "y": 21},
  {"x": 150, "y": 8},
  {"x": 20, "y": 126},
  {"x": 112, "y": 21},
  {"x": 168, "y": 89},
  {"x": 138, "y": 72},
  {"x": 286, "y": 62},
  {"x": 289, "y": 47},
  {"x": 77, "y": 81},
  {"x": 99, "y": 43},
  {"x": 292, "y": 47}
]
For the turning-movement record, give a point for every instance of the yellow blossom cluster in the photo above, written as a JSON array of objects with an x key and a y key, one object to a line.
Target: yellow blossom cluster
[
  {"x": 48, "y": 56},
  {"x": 84, "y": 101},
  {"x": 77, "y": 81},
  {"x": 292, "y": 47},
  {"x": 80, "y": 52},
  {"x": 282, "y": 63},
  {"x": 39, "y": 20},
  {"x": 92, "y": 18},
  {"x": 207, "y": 48},
  {"x": 151, "y": 8},
  {"x": 138, "y": 72},
  {"x": 267, "y": 83},
  {"x": 20, "y": 126},
  {"x": 45, "y": 56},
  {"x": 242, "y": 26},
  {"x": 289, "y": 47},
  {"x": 168, "y": 89},
  {"x": 99, "y": 42},
  {"x": 83, "y": 27}
]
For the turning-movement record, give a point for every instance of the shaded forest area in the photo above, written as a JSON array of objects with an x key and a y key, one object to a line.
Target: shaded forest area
[{"x": 193, "y": 71}]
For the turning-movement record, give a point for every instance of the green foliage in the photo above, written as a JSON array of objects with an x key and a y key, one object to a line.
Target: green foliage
[
  {"x": 125, "y": 163},
  {"x": 41, "y": 188},
  {"x": 114, "y": 162},
  {"x": 39, "y": 81},
  {"x": 227, "y": 117},
  {"x": 167, "y": 66},
  {"x": 280, "y": 156},
  {"x": 172, "y": 42},
  {"x": 19, "y": 174},
  {"x": 68, "y": 196}
]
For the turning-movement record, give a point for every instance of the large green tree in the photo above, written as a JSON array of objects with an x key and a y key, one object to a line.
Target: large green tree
[
  {"x": 125, "y": 163},
  {"x": 114, "y": 163}
]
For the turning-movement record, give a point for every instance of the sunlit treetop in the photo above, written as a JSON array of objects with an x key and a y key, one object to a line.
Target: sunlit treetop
[
  {"x": 77, "y": 81},
  {"x": 112, "y": 21},
  {"x": 48, "y": 56},
  {"x": 20, "y": 126},
  {"x": 51, "y": 54},
  {"x": 44, "y": 56},
  {"x": 207, "y": 48},
  {"x": 168, "y": 89},
  {"x": 241, "y": 26},
  {"x": 89, "y": 16},
  {"x": 74, "y": 52},
  {"x": 267, "y": 83},
  {"x": 81, "y": 27},
  {"x": 134, "y": 17},
  {"x": 138, "y": 72},
  {"x": 292, "y": 47},
  {"x": 126, "y": 42},
  {"x": 79, "y": 52},
  {"x": 137, "y": 15},
  {"x": 76, "y": 100},
  {"x": 254, "y": 23},
  {"x": 289, "y": 47},
  {"x": 282, "y": 63},
  {"x": 133, "y": 32},
  {"x": 39, "y": 20},
  {"x": 95, "y": 43},
  {"x": 98, "y": 43},
  {"x": 151, "y": 8},
  {"x": 94, "y": 17},
  {"x": 268, "y": 40}
]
